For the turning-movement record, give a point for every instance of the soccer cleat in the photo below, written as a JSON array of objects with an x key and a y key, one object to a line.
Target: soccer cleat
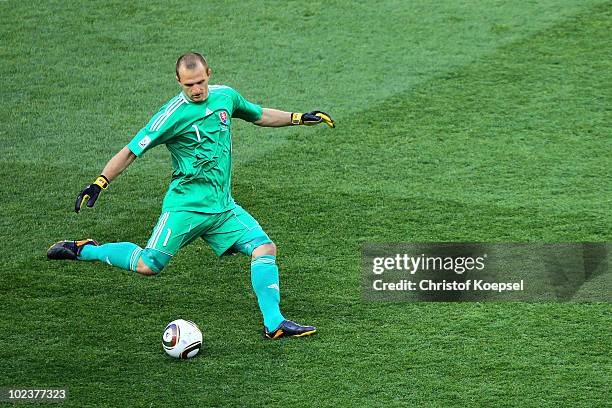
[
  {"x": 68, "y": 249},
  {"x": 290, "y": 329}
]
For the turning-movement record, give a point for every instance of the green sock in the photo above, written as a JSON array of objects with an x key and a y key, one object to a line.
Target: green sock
[
  {"x": 264, "y": 278},
  {"x": 121, "y": 254}
]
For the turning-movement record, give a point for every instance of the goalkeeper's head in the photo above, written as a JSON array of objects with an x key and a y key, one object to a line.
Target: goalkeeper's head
[{"x": 193, "y": 73}]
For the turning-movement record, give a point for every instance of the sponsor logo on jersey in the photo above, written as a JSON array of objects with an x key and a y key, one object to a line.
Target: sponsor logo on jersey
[
  {"x": 223, "y": 117},
  {"x": 144, "y": 142}
]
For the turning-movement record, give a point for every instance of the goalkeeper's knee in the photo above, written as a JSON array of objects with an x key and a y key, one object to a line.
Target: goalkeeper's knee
[
  {"x": 144, "y": 269},
  {"x": 151, "y": 262}
]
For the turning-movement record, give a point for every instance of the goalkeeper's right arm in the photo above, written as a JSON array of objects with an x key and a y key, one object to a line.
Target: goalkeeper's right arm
[{"x": 113, "y": 168}]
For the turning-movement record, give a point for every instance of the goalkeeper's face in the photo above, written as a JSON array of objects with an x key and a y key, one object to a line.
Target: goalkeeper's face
[{"x": 194, "y": 82}]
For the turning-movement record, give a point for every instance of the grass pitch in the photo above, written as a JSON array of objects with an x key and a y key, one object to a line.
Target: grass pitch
[{"x": 462, "y": 121}]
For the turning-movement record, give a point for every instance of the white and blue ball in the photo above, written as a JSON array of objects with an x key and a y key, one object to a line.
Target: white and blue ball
[{"x": 182, "y": 339}]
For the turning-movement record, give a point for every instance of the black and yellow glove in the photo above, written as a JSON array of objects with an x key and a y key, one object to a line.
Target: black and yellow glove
[
  {"x": 91, "y": 193},
  {"x": 312, "y": 118}
]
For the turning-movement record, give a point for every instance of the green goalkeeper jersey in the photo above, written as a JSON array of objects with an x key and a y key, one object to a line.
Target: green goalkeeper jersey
[{"x": 199, "y": 139}]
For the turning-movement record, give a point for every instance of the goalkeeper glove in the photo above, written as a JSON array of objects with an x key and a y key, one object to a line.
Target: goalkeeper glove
[
  {"x": 312, "y": 118},
  {"x": 91, "y": 193}
]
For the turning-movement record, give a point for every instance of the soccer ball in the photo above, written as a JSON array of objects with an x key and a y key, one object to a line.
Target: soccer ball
[{"x": 182, "y": 339}]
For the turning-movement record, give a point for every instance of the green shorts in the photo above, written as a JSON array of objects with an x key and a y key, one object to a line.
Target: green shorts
[{"x": 229, "y": 232}]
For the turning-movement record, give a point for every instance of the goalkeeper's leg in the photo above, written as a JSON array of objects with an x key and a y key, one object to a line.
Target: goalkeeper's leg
[
  {"x": 124, "y": 255},
  {"x": 242, "y": 233},
  {"x": 128, "y": 256},
  {"x": 173, "y": 231}
]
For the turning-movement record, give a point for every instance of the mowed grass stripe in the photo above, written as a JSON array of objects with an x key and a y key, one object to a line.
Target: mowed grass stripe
[{"x": 367, "y": 56}]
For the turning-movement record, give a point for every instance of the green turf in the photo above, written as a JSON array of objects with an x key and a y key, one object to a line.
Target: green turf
[{"x": 457, "y": 121}]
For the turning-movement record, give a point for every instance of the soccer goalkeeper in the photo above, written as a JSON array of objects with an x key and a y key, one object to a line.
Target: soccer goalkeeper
[{"x": 195, "y": 127}]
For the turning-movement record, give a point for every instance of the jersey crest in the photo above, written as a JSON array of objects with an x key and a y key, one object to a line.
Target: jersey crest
[{"x": 223, "y": 117}]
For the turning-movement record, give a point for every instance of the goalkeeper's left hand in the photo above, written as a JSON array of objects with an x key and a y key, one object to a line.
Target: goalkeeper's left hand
[{"x": 312, "y": 118}]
